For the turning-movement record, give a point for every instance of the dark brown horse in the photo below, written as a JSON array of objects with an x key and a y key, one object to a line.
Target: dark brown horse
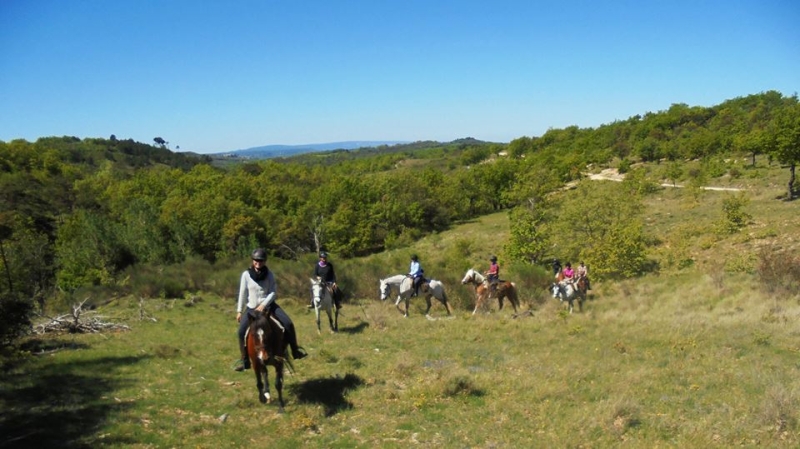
[
  {"x": 505, "y": 289},
  {"x": 266, "y": 345},
  {"x": 583, "y": 289}
]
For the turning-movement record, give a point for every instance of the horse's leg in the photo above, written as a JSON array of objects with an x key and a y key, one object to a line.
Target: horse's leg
[
  {"x": 511, "y": 293},
  {"x": 336, "y": 320},
  {"x": 316, "y": 310},
  {"x": 263, "y": 393},
  {"x": 444, "y": 302},
  {"x": 397, "y": 303},
  {"x": 330, "y": 319},
  {"x": 477, "y": 303},
  {"x": 428, "y": 302},
  {"x": 279, "y": 385}
]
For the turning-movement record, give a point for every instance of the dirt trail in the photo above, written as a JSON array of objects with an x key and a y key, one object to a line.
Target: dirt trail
[{"x": 611, "y": 174}]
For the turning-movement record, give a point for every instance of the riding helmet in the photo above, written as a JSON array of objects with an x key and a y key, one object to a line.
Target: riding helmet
[
  {"x": 414, "y": 257},
  {"x": 259, "y": 254},
  {"x": 493, "y": 259},
  {"x": 323, "y": 255}
]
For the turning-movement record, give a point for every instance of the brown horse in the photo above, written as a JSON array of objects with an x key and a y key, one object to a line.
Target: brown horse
[
  {"x": 266, "y": 345},
  {"x": 583, "y": 289},
  {"x": 505, "y": 289}
]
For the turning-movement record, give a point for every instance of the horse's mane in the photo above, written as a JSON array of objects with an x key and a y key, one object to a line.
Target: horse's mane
[{"x": 396, "y": 279}]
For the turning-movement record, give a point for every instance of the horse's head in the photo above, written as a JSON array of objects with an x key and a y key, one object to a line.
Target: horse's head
[
  {"x": 260, "y": 329},
  {"x": 555, "y": 290},
  {"x": 384, "y": 289},
  {"x": 316, "y": 288},
  {"x": 469, "y": 277}
]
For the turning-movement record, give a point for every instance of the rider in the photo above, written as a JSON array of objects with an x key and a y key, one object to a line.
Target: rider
[
  {"x": 556, "y": 267},
  {"x": 324, "y": 270},
  {"x": 583, "y": 272},
  {"x": 569, "y": 273},
  {"x": 416, "y": 273},
  {"x": 258, "y": 291},
  {"x": 493, "y": 275}
]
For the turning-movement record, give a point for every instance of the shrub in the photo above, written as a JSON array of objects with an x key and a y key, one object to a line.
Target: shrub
[{"x": 778, "y": 270}]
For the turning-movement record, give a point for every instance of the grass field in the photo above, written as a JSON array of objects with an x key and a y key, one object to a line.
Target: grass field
[{"x": 689, "y": 357}]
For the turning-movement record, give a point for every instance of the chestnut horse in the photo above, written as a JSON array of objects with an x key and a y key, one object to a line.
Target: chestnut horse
[
  {"x": 266, "y": 345},
  {"x": 505, "y": 289}
]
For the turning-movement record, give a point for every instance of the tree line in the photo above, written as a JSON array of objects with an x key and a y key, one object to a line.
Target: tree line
[{"x": 77, "y": 212}]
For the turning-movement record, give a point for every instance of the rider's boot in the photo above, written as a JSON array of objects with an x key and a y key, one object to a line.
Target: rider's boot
[
  {"x": 297, "y": 351},
  {"x": 245, "y": 362}
]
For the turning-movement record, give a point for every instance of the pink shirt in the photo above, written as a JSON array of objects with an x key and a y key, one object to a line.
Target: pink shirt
[{"x": 569, "y": 273}]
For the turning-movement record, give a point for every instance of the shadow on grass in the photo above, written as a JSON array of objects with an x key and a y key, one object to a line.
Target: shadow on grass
[
  {"x": 357, "y": 329},
  {"x": 328, "y": 392},
  {"x": 60, "y": 404}
]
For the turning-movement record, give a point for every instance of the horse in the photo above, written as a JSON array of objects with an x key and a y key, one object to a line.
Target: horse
[
  {"x": 323, "y": 299},
  {"x": 566, "y": 291},
  {"x": 266, "y": 345},
  {"x": 505, "y": 289},
  {"x": 403, "y": 283}
]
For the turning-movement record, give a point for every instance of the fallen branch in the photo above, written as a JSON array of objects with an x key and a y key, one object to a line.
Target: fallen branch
[{"x": 77, "y": 322}]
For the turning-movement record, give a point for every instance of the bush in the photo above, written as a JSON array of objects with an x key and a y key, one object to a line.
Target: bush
[
  {"x": 15, "y": 314},
  {"x": 779, "y": 271}
]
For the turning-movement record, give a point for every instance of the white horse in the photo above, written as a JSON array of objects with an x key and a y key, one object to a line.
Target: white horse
[
  {"x": 405, "y": 288},
  {"x": 566, "y": 291},
  {"x": 323, "y": 299},
  {"x": 483, "y": 291}
]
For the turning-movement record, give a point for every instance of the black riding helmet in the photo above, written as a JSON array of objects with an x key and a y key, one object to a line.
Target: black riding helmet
[
  {"x": 414, "y": 257},
  {"x": 259, "y": 254},
  {"x": 493, "y": 259},
  {"x": 323, "y": 255}
]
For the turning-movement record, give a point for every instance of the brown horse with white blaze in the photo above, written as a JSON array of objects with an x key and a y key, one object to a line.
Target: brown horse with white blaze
[
  {"x": 505, "y": 289},
  {"x": 266, "y": 345}
]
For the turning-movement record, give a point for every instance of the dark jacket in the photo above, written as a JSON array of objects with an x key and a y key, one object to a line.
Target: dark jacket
[{"x": 326, "y": 273}]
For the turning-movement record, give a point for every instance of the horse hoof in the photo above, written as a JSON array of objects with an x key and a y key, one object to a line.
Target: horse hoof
[{"x": 262, "y": 398}]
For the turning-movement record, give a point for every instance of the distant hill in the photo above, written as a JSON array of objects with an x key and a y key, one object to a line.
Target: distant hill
[{"x": 272, "y": 151}]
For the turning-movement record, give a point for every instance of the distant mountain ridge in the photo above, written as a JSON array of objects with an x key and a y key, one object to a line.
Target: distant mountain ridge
[{"x": 269, "y": 151}]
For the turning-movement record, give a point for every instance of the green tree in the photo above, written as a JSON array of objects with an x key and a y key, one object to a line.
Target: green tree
[
  {"x": 526, "y": 242},
  {"x": 601, "y": 223},
  {"x": 784, "y": 140}
]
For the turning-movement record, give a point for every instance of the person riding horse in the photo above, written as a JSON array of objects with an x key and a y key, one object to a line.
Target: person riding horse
[
  {"x": 569, "y": 274},
  {"x": 493, "y": 275},
  {"x": 556, "y": 267},
  {"x": 324, "y": 270},
  {"x": 257, "y": 293},
  {"x": 583, "y": 272},
  {"x": 416, "y": 273}
]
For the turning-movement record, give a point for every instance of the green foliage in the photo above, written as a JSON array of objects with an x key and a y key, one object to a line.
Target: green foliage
[
  {"x": 601, "y": 225},
  {"x": 101, "y": 205},
  {"x": 674, "y": 172},
  {"x": 527, "y": 242},
  {"x": 734, "y": 217}
]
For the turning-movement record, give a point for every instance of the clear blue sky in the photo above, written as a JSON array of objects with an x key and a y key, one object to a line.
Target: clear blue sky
[{"x": 212, "y": 76}]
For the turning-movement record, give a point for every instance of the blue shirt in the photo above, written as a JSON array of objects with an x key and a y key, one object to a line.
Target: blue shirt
[{"x": 415, "y": 269}]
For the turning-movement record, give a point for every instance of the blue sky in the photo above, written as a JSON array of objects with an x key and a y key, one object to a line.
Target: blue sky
[{"x": 212, "y": 76}]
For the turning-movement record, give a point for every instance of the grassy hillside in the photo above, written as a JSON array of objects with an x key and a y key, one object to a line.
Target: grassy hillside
[{"x": 701, "y": 354}]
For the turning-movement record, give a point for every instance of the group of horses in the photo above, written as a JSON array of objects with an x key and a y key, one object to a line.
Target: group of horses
[
  {"x": 570, "y": 291},
  {"x": 267, "y": 346},
  {"x": 432, "y": 288}
]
